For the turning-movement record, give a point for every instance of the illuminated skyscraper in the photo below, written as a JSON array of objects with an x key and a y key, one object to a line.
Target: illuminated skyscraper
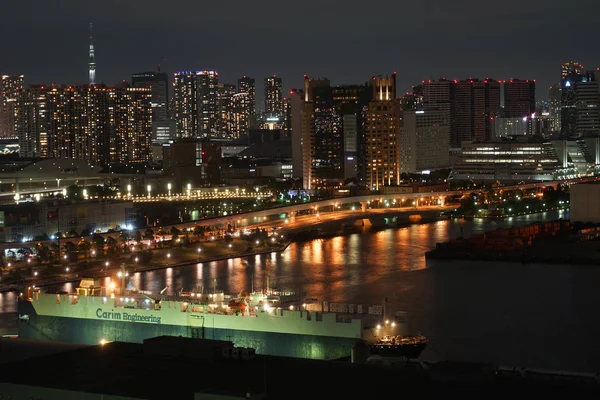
[
  {"x": 226, "y": 120},
  {"x": 196, "y": 108},
  {"x": 247, "y": 85},
  {"x": 242, "y": 103},
  {"x": 159, "y": 83},
  {"x": 273, "y": 96},
  {"x": 92, "y": 61},
  {"x": 382, "y": 134},
  {"x": 185, "y": 97},
  {"x": 31, "y": 123},
  {"x": 287, "y": 117},
  {"x": 587, "y": 92},
  {"x": 208, "y": 106},
  {"x": 78, "y": 124},
  {"x": 10, "y": 87},
  {"x": 554, "y": 96},
  {"x": 133, "y": 111},
  {"x": 328, "y": 123}
]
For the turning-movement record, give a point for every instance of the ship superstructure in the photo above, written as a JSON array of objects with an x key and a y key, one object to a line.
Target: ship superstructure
[{"x": 271, "y": 322}]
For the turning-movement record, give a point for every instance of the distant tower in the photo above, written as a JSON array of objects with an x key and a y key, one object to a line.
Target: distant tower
[{"x": 92, "y": 61}]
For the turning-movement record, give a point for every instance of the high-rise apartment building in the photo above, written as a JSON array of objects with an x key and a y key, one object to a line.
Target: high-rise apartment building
[
  {"x": 350, "y": 102},
  {"x": 519, "y": 98},
  {"x": 78, "y": 125},
  {"x": 327, "y": 143},
  {"x": 248, "y": 85},
  {"x": 185, "y": 104},
  {"x": 158, "y": 82},
  {"x": 472, "y": 105},
  {"x": 241, "y": 105},
  {"x": 273, "y": 95},
  {"x": 208, "y": 107},
  {"x": 554, "y": 97},
  {"x": 31, "y": 122},
  {"x": 98, "y": 124},
  {"x": 196, "y": 105},
  {"x": 331, "y": 122},
  {"x": 434, "y": 96},
  {"x": 226, "y": 120},
  {"x": 382, "y": 134},
  {"x": 477, "y": 104},
  {"x": 133, "y": 111},
  {"x": 10, "y": 87},
  {"x": 287, "y": 117},
  {"x": 301, "y": 136}
]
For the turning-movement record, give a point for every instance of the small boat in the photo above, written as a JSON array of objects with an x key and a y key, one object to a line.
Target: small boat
[{"x": 399, "y": 346}]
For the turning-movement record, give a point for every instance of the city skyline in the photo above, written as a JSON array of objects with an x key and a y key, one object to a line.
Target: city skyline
[{"x": 505, "y": 49}]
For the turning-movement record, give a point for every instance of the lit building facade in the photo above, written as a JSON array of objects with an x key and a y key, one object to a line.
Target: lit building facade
[
  {"x": 30, "y": 120},
  {"x": 196, "y": 103},
  {"x": 93, "y": 123},
  {"x": 331, "y": 122},
  {"x": 504, "y": 127},
  {"x": 133, "y": 113},
  {"x": 287, "y": 117},
  {"x": 159, "y": 83},
  {"x": 516, "y": 161},
  {"x": 226, "y": 121},
  {"x": 420, "y": 136},
  {"x": 185, "y": 104},
  {"x": 208, "y": 107},
  {"x": 382, "y": 134},
  {"x": 241, "y": 105},
  {"x": 273, "y": 95},
  {"x": 10, "y": 87},
  {"x": 587, "y": 94},
  {"x": 248, "y": 85},
  {"x": 554, "y": 97}
]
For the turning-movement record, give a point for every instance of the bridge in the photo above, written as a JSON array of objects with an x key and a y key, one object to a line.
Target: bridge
[{"x": 356, "y": 207}]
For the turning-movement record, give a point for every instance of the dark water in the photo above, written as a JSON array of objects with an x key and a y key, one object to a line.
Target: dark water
[{"x": 515, "y": 314}]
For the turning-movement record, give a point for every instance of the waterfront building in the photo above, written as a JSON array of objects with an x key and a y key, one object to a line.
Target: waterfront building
[{"x": 532, "y": 160}]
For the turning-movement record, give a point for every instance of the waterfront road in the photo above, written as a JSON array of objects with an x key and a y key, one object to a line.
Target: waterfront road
[{"x": 288, "y": 223}]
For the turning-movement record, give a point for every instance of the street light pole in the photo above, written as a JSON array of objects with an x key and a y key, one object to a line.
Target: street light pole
[{"x": 58, "y": 233}]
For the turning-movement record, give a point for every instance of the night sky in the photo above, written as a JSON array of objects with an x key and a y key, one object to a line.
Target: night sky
[{"x": 347, "y": 41}]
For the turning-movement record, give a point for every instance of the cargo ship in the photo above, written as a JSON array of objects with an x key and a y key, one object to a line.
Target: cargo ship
[{"x": 270, "y": 322}]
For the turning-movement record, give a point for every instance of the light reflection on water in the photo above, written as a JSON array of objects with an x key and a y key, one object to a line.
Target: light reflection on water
[{"x": 490, "y": 312}]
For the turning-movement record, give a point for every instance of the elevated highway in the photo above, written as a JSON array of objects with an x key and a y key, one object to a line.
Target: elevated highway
[{"x": 362, "y": 206}]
